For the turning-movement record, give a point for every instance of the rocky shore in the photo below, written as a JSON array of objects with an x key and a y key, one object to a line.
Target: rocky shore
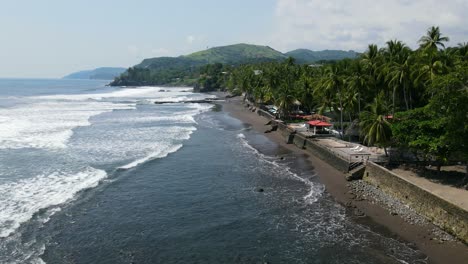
[
  {"x": 368, "y": 204},
  {"x": 365, "y": 191}
]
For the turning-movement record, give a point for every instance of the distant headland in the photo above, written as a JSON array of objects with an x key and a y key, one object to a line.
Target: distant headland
[{"x": 103, "y": 73}]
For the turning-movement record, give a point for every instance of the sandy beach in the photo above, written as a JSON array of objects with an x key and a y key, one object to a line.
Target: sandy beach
[{"x": 365, "y": 211}]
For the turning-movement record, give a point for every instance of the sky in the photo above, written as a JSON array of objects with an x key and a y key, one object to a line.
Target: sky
[{"x": 52, "y": 38}]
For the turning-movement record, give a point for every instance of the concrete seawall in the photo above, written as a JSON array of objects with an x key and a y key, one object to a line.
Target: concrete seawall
[
  {"x": 309, "y": 145},
  {"x": 442, "y": 213},
  {"x": 439, "y": 211},
  {"x": 321, "y": 152}
]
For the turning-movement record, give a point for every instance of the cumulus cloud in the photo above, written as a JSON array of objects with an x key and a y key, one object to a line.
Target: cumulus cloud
[{"x": 344, "y": 24}]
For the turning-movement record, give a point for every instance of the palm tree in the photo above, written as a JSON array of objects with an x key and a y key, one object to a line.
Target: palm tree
[
  {"x": 360, "y": 82},
  {"x": 426, "y": 71},
  {"x": 307, "y": 90},
  {"x": 395, "y": 50},
  {"x": 374, "y": 126},
  {"x": 433, "y": 39},
  {"x": 284, "y": 96},
  {"x": 370, "y": 59},
  {"x": 399, "y": 75},
  {"x": 331, "y": 86},
  {"x": 463, "y": 50}
]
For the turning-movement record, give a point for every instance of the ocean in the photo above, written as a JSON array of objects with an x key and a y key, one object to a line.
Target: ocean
[{"x": 97, "y": 174}]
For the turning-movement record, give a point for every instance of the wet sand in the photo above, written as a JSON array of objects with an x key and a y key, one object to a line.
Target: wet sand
[{"x": 376, "y": 217}]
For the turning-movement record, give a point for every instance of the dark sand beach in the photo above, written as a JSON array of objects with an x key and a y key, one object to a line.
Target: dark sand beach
[{"x": 376, "y": 217}]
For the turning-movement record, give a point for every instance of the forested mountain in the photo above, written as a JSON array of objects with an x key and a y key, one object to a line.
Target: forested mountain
[
  {"x": 239, "y": 53},
  {"x": 309, "y": 56},
  {"x": 232, "y": 54},
  {"x": 185, "y": 70},
  {"x": 104, "y": 73}
]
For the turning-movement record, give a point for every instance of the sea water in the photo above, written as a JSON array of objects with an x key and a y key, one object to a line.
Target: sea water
[{"x": 96, "y": 174}]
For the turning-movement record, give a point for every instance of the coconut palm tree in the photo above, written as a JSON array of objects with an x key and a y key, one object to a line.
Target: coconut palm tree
[
  {"x": 425, "y": 72},
  {"x": 463, "y": 50},
  {"x": 396, "y": 50},
  {"x": 285, "y": 93},
  {"x": 306, "y": 87},
  {"x": 433, "y": 39},
  {"x": 360, "y": 82},
  {"x": 373, "y": 123},
  {"x": 370, "y": 59},
  {"x": 399, "y": 76},
  {"x": 331, "y": 86}
]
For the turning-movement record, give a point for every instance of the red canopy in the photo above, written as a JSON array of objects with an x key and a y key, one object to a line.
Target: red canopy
[{"x": 318, "y": 123}]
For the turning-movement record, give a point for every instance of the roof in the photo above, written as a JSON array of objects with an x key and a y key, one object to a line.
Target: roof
[
  {"x": 317, "y": 116},
  {"x": 318, "y": 123}
]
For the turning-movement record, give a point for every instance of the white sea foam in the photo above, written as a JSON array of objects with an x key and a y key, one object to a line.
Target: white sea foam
[
  {"x": 137, "y": 93},
  {"x": 140, "y": 92},
  {"x": 177, "y": 98},
  {"x": 50, "y": 120},
  {"x": 242, "y": 136},
  {"x": 48, "y": 124},
  {"x": 160, "y": 153},
  {"x": 315, "y": 190},
  {"x": 22, "y": 199}
]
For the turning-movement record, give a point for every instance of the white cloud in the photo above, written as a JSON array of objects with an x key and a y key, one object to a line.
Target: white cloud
[{"x": 345, "y": 24}]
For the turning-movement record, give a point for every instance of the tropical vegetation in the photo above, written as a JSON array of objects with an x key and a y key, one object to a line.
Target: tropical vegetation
[{"x": 413, "y": 100}]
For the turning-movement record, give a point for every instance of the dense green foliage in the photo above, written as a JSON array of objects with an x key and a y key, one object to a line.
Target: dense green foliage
[
  {"x": 213, "y": 77},
  {"x": 308, "y": 56},
  {"x": 414, "y": 100}
]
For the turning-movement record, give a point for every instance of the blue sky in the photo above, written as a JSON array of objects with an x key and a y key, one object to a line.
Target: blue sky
[{"x": 52, "y": 38}]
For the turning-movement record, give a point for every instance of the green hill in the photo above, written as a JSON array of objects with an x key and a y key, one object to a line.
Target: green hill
[
  {"x": 232, "y": 54},
  {"x": 185, "y": 70},
  {"x": 235, "y": 54},
  {"x": 309, "y": 56}
]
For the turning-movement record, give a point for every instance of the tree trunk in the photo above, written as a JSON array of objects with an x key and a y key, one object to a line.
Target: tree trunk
[
  {"x": 341, "y": 118},
  {"x": 359, "y": 103},
  {"x": 404, "y": 96},
  {"x": 410, "y": 98}
]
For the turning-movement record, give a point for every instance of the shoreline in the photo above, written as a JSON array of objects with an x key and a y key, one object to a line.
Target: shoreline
[{"x": 367, "y": 212}]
